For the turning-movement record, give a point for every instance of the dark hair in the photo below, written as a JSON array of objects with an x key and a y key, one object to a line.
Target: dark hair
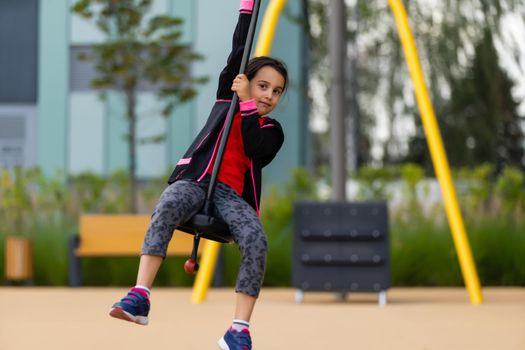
[{"x": 257, "y": 63}]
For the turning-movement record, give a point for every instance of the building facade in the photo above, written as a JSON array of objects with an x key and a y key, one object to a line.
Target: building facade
[{"x": 51, "y": 118}]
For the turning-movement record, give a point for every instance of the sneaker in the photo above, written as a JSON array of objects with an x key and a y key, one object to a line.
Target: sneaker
[
  {"x": 234, "y": 340},
  {"x": 134, "y": 307}
]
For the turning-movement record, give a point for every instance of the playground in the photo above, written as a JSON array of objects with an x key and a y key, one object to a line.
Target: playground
[
  {"x": 414, "y": 318},
  {"x": 329, "y": 254}
]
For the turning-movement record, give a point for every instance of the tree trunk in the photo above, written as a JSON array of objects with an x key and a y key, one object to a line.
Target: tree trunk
[{"x": 132, "y": 147}]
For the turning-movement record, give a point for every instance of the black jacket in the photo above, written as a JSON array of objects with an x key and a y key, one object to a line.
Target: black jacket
[{"x": 262, "y": 136}]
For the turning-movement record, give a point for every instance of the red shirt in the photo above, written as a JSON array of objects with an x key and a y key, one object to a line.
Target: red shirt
[{"x": 234, "y": 162}]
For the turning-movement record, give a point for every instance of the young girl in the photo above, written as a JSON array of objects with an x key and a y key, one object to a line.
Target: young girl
[{"x": 253, "y": 142}]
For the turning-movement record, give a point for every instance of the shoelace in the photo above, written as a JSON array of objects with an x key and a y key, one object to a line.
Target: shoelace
[{"x": 132, "y": 297}]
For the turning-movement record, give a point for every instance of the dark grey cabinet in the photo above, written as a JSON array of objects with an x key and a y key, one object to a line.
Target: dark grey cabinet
[{"x": 341, "y": 247}]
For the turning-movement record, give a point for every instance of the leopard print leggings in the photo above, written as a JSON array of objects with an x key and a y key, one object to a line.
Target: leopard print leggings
[{"x": 183, "y": 199}]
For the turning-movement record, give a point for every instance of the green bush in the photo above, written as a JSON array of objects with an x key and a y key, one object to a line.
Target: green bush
[
  {"x": 374, "y": 182},
  {"x": 499, "y": 251},
  {"x": 47, "y": 208},
  {"x": 423, "y": 254}
]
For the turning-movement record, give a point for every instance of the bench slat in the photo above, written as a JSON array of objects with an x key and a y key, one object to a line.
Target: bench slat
[{"x": 122, "y": 235}]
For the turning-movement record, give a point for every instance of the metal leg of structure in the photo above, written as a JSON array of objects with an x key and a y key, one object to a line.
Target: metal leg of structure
[
  {"x": 382, "y": 298},
  {"x": 341, "y": 296},
  {"x": 75, "y": 269},
  {"x": 299, "y": 296}
]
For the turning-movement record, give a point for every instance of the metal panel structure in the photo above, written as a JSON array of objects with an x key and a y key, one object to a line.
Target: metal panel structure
[{"x": 341, "y": 247}]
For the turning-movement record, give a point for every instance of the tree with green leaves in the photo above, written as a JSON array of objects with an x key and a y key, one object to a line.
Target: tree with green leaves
[
  {"x": 139, "y": 50},
  {"x": 446, "y": 34},
  {"x": 480, "y": 122}
]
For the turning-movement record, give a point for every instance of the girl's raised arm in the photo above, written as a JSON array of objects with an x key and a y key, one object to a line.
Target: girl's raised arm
[{"x": 233, "y": 64}]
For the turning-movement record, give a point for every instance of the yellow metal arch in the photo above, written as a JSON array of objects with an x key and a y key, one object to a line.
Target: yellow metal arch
[
  {"x": 269, "y": 24},
  {"x": 211, "y": 249},
  {"x": 437, "y": 152},
  {"x": 439, "y": 158}
]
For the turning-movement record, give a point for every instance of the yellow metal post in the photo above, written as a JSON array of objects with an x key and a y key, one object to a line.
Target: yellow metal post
[
  {"x": 211, "y": 249},
  {"x": 269, "y": 24},
  {"x": 207, "y": 264},
  {"x": 437, "y": 152}
]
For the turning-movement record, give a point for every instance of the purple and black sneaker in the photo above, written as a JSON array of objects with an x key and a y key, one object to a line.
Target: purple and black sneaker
[
  {"x": 134, "y": 307},
  {"x": 236, "y": 340}
]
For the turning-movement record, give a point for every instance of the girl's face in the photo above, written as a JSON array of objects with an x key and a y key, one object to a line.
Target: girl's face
[{"x": 266, "y": 88}]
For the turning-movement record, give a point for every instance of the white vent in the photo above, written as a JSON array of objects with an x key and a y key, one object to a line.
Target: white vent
[
  {"x": 17, "y": 136},
  {"x": 12, "y": 141}
]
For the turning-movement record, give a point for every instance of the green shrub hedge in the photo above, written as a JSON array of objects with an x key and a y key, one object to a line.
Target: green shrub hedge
[{"x": 46, "y": 209}]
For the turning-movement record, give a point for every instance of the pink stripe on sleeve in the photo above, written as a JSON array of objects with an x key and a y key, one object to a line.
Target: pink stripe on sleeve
[
  {"x": 213, "y": 154},
  {"x": 254, "y": 190},
  {"x": 200, "y": 143},
  {"x": 184, "y": 161},
  {"x": 247, "y": 105}
]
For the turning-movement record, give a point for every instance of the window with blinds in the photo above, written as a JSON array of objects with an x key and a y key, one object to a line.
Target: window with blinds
[{"x": 12, "y": 141}]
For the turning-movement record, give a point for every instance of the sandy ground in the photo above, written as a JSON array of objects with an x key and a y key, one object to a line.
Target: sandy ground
[{"x": 436, "y": 318}]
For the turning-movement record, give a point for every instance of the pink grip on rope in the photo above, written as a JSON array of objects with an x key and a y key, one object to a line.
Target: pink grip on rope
[{"x": 246, "y": 5}]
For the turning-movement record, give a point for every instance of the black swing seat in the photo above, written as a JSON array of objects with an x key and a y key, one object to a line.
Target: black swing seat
[{"x": 209, "y": 227}]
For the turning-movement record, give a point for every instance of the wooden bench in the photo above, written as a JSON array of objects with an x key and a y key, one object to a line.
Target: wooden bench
[{"x": 116, "y": 236}]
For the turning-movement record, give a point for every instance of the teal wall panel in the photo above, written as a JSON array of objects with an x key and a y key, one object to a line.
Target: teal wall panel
[
  {"x": 86, "y": 144},
  {"x": 116, "y": 131},
  {"x": 53, "y": 78},
  {"x": 151, "y": 156}
]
